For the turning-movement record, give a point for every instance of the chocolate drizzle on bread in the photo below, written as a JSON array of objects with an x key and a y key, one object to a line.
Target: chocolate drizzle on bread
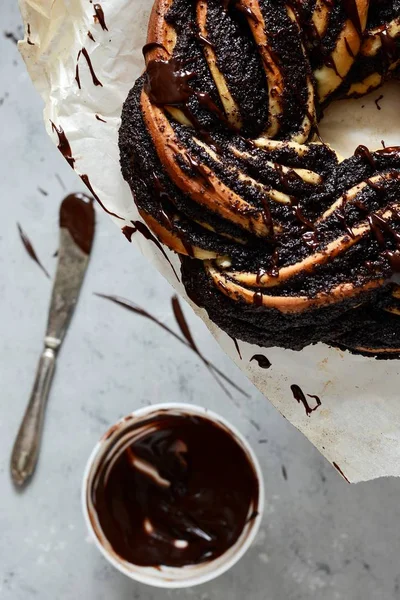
[{"x": 281, "y": 241}]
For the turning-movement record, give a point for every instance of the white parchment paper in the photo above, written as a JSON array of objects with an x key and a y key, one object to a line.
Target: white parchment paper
[{"x": 357, "y": 427}]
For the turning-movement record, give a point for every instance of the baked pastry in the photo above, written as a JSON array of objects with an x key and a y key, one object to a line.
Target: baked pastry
[{"x": 281, "y": 241}]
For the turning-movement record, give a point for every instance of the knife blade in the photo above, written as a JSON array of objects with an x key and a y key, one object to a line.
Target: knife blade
[{"x": 77, "y": 227}]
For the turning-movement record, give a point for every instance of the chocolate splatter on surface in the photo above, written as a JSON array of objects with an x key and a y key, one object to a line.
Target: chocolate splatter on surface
[
  {"x": 128, "y": 232},
  {"x": 99, "y": 16},
  {"x": 132, "y": 306},
  {"x": 377, "y": 100},
  {"x": 262, "y": 361},
  {"x": 42, "y": 191},
  {"x": 90, "y": 36},
  {"x": 284, "y": 473},
  {"x": 95, "y": 79},
  {"x": 86, "y": 181},
  {"x": 63, "y": 144},
  {"x": 301, "y": 399},
  {"x": 100, "y": 119},
  {"x": 30, "y": 249},
  {"x": 146, "y": 233}
]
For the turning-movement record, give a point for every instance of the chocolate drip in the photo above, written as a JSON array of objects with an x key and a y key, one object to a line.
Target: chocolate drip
[
  {"x": 30, "y": 249},
  {"x": 100, "y": 119},
  {"x": 63, "y": 144},
  {"x": 153, "y": 46},
  {"x": 172, "y": 499},
  {"x": 262, "y": 361},
  {"x": 90, "y": 36},
  {"x": 77, "y": 215},
  {"x": 99, "y": 16},
  {"x": 301, "y": 399},
  {"x": 258, "y": 299},
  {"x": 365, "y": 153},
  {"x": 86, "y": 181}
]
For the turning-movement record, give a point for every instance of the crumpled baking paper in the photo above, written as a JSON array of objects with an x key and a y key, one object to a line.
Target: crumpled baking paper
[{"x": 357, "y": 426}]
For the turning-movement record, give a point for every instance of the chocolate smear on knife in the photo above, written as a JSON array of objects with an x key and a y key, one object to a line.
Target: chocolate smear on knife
[
  {"x": 132, "y": 306},
  {"x": 301, "y": 399},
  {"x": 30, "y": 249},
  {"x": 77, "y": 215}
]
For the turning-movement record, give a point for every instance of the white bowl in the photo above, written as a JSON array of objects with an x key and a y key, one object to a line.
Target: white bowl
[{"x": 163, "y": 576}]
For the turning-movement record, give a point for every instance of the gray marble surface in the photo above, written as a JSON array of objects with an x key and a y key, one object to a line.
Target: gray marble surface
[{"x": 320, "y": 538}]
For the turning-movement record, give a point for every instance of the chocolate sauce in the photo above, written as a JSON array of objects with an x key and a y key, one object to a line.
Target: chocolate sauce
[
  {"x": 86, "y": 181},
  {"x": 99, "y": 16},
  {"x": 262, "y": 361},
  {"x": 90, "y": 36},
  {"x": 63, "y": 144},
  {"x": 167, "y": 82},
  {"x": 144, "y": 313},
  {"x": 77, "y": 76},
  {"x": 100, "y": 119},
  {"x": 77, "y": 215},
  {"x": 300, "y": 397},
  {"x": 177, "y": 492},
  {"x": 30, "y": 249},
  {"x": 340, "y": 471}
]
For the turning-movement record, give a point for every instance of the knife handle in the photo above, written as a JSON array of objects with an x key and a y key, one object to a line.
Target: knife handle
[{"x": 26, "y": 447}]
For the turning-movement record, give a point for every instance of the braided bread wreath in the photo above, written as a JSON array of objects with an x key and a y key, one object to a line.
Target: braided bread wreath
[{"x": 281, "y": 241}]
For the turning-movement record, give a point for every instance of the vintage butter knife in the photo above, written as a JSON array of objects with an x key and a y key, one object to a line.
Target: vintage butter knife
[{"x": 77, "y": 225}]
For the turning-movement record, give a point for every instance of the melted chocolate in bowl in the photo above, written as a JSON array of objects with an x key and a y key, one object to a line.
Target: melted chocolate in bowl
[{"x": 173, "y": 490}]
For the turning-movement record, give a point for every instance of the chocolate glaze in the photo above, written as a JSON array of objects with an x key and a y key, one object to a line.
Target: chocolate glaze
[
  {"x": 30, "y": 249},
  {"x": 300, "y": 397},
  {"x": 63, "y": 144},
  {"x": 99, "y": 16},
  {"x": 262, "y": 361},
  {"x": 190, "y": 508},
  {"x": 77, "y": 215}
]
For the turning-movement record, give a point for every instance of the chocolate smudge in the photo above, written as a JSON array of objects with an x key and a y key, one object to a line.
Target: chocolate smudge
[
  {"x": 100, "y": 119},
  {"x": 63, "y": 144},
  {"x": 284, "y": 472}
]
